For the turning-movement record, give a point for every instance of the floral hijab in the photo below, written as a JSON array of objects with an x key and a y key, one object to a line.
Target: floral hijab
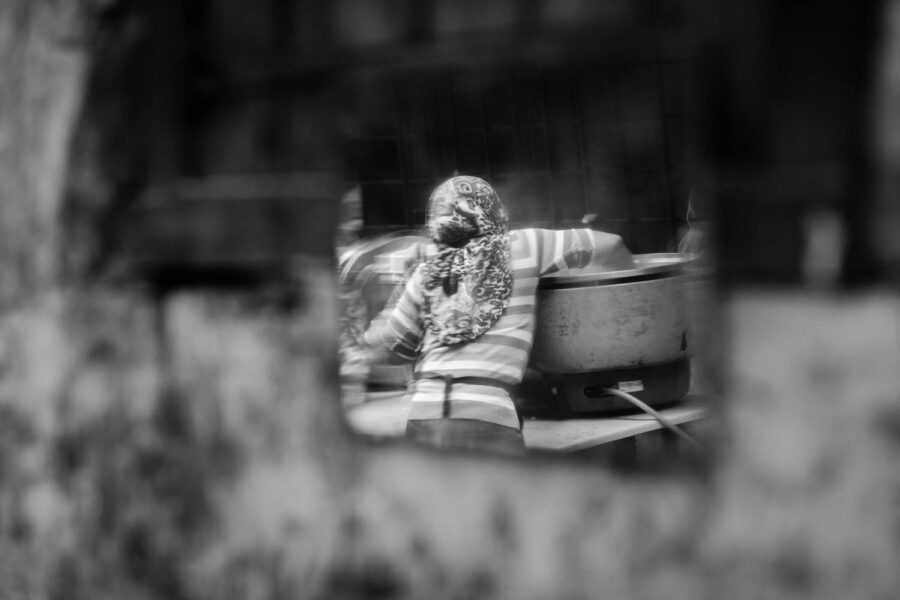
[{"x": 467, "y": 285}]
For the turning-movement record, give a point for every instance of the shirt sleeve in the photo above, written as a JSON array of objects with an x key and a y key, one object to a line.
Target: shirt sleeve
[
  {"x": 399, "y": 327},
  {"x": 564, "y": 249}
]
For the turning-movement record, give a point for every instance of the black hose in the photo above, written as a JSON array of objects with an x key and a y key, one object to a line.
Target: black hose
[{"x": 662, "y": 420}]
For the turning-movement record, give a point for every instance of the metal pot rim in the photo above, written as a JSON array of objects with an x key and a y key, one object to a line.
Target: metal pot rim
[{"x": 650, "y": 266}]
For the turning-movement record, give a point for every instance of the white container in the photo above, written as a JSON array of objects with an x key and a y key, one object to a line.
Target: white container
[{"x": 591, "y": 320}]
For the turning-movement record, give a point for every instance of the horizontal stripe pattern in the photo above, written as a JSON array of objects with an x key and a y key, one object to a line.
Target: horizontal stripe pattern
[
  {"x": 501, "y": 353},
  {"x": 467, "y": 401}
]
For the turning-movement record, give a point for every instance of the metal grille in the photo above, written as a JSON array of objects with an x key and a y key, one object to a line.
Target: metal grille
[{"x": 558, "y": 143}]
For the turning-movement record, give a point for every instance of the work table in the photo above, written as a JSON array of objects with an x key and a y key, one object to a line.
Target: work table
[{"x": 383, "y": 414}]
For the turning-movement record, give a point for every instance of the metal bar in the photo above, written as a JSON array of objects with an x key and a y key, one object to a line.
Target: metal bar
[
  {"x": 484, "y": 127},
  {"x": 453, "y": 139},
  {"x": 401, "y": 154},
  {"x": 667, "y": 149},
  {"x": 546, "y": 126},
  {"x": 579, "y": 126}
]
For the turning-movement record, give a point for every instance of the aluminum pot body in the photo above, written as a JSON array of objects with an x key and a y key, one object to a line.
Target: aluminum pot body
[{"x": 589, "y": 320}]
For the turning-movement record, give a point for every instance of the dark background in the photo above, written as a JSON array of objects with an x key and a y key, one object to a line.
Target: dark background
[
  {"x": 568, "y": 108},
  {"x": 251, "y": 121}
]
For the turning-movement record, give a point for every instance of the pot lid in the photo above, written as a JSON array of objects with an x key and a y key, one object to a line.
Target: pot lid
[{"x": 648, "y": 267}]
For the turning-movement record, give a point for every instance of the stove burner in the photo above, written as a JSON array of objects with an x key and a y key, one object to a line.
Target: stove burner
[{"x": 586, "y": 394}]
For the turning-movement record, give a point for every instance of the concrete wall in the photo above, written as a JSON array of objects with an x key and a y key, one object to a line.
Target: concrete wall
[{"x": 195, "y": 449}]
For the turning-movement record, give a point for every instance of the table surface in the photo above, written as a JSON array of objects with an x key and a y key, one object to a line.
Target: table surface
[
  {"x": 383, "y": 414},
  {"x": 571, "y": 435}
]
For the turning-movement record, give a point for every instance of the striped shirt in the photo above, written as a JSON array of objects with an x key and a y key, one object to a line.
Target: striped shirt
[{"x": 501, "y": 354}]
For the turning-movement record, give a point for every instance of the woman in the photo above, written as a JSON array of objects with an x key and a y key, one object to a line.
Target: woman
[{"x": 466, "y": 315}]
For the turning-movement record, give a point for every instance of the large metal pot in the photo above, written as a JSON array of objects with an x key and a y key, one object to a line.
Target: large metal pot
[{"x": 591, "y": 320}]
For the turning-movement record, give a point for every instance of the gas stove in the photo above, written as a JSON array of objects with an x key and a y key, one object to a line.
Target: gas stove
[{"x": 587, "y": 394}]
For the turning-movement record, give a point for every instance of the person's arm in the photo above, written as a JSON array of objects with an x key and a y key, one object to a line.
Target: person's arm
[
  {"x": 397, "y": 328},
  {"x": 578, "y": 248},
  {"x": 610, "y": 251}
]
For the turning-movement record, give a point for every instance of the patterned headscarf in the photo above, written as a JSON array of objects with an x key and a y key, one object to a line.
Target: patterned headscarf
[{"x": 467, "y": 285}]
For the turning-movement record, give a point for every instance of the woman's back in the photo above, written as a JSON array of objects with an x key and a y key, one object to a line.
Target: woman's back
[
  {"x": 466, "y": 316},
  {"x": 500, "y": 354}
]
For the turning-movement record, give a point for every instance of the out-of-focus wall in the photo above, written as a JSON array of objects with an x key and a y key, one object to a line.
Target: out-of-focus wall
[{"x": 565, "y": 115}]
